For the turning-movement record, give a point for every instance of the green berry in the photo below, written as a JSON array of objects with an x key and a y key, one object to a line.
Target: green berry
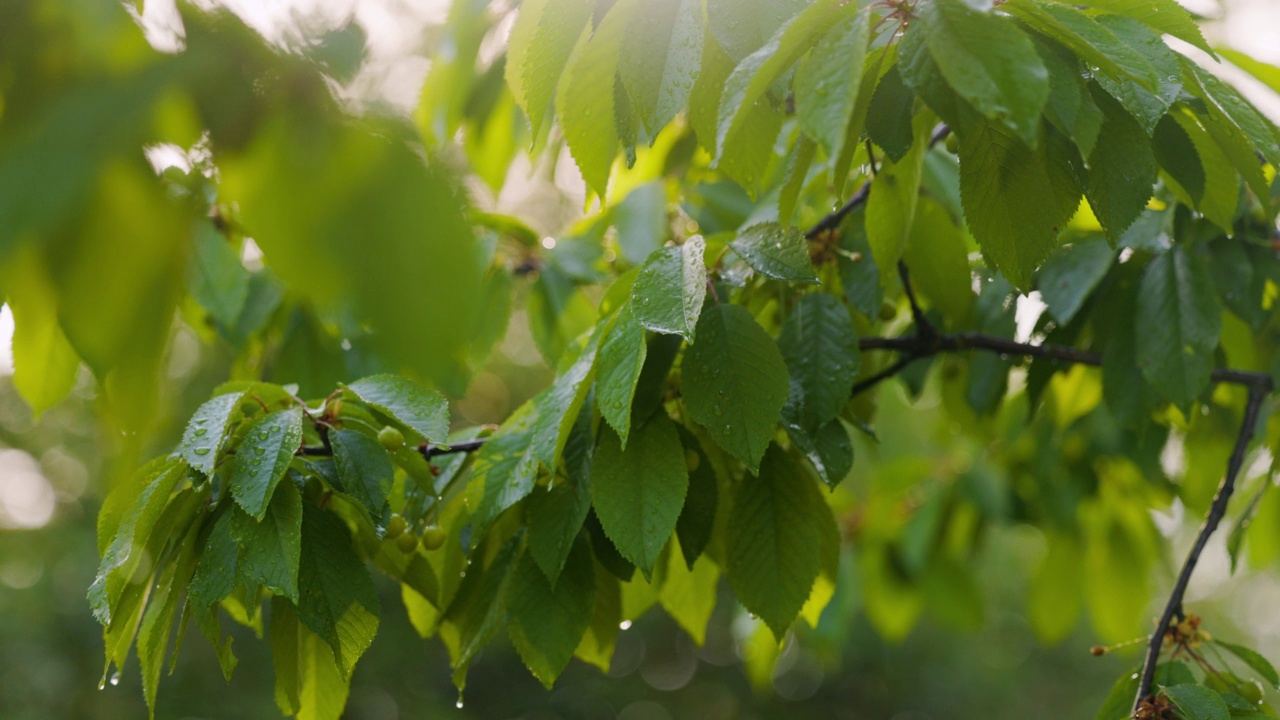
[
  {"x": 407, "y": 542},
  {"x": 953, "y": 144},
  {"x": 396, "y": 527},
  {"x": 390, "y": 438},
  {"x": 433, "y": 537},
  {"x": 888, "y": 311}
]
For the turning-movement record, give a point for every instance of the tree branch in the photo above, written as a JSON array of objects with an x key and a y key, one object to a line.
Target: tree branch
[
  {"x": 427, "y": 449},
  {"x": 1217, "y": 510}
]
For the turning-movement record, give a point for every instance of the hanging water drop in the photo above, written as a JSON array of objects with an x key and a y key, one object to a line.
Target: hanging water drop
[{"x": 115, "y": 678}]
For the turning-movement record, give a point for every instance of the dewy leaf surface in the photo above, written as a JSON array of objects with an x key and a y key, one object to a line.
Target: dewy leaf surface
[
  {"x": 1122, "y": 169},
  {"x": 585, "y": 98},
  {"x": 364, "y": 468},
  {"x": 660, "y": 60},
  {"x": 828, "y": 80},
  {"x": 424, "y": 411},
  {"x": 735, "y": 382},
  {"x": 541, "y": 42},
  {"x": 668, "y": 294},
  {"x": 774, "y": 545},
  {"x": 202, "y": 439},
  {"x": 638, "y": 492},
  {"x": 777, "y": 251},
  {"x": 263, "y": 457},
  {"x": 270, "y": 550},
  {"x": 622, "y": 355}
]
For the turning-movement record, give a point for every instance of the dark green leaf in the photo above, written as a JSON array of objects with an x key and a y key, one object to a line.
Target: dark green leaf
[
  {"x": 215, "y": 575},
  {"x": 859, "y": 273},
  {"x": 263, "y": 457},
  {"x": 1177, "y": 156},
  {"x": 638, "y": 492},
  {"x": 1197, "y": 702},
  {"x": 777, "y": 251},
  {"x": 641, "y": 220},
  {"x": 1070, "y": 275},
  {"x": 363, "y": 467},
  {"x": 735, "y": 382},
  {"x": 889, "y": 115},
  {"x": 339, "y": 602},
  {"x": 1146, "y": 106},
  {"x": 697, "y": 517},
  {"x": 1118, "y": 704},
  {"x": 423, "y": 411},
  {"x": 1178, "y": 323},
  {"x": 819, "y": 344},
  {"x": 504, "y": 470},
  {"x": 270, "y": 550},
  {"x": 548, "y": 619},
  {"x": 555, "y": 516},
  {"x": 1122, "y": 169},
  {"x": 827, "y": 83},
  {"x": 202, "y": 440},
  {"x": 1163, "y": 16}
]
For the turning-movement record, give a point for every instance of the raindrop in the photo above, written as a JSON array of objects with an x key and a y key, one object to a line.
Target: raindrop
[
  {"x": 459, "y": 703},
  {"x": 624, "y": 625},
  {"x": 200, "y": 431},
  {"x": 202, "y": 451},
  {"x": 115, "y": 678}
]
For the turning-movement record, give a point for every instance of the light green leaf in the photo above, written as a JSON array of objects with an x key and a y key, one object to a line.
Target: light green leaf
[
  {"x": 423, "y": 411},
  {"x": 270, "y": 550},
  {"x": 1176, "y": 153},
  {"x": 1122, "y": 169},
  {"x": 798, "y": 162},
  {"x": 309, "y": 684},
  {"x": 339, "y": 602},
  {"x": 263, "y": 457},
  {"x": 638, "y": 492},
  {"x": 559, "y": 404},
  {"x": 1254, "y": 660},
  {"x": 751, "y": 79},
  {"x": 661, "y": 55},
  {"x": 540, "y": 45},
  {"x": 364, "y": 468},
  {"x": 774, "y": 546},
  {"x": 939, "y": 260},
  {"x": 819, "y": 344},
  {"x": 157, "y": 621},
  {"x": 1053, "y": 595},
  {"x": 547, "y": 620},
  {"x": 1197, "y": 702},
  {"x": 668, "y": 294},
  {"x": 688, "y": 592},
  {"x": 585, "y": 97},
  {"x": 44, "y": 363},
  {"x": 827, "y": 82},
  {"x": 989, "y": 62},
  {"x": 1069, "y": 275},
  {"x": 1145, "y": 105},
  {"x": 895, "y": 193},
  {"x": 1228, "y": 108},
  {"x": 601, "y": 637},
  {"x": 1088, "y": 39},
  {"x": 735, "y": 382},
  {"x": 1163, "y": 16},
  {"x": 1178, "y": 323},
  {"x": 1016, "y": 200},
  {"x": 218, "y": 281},
  {"x": 1266, "y": 73},
  {"x": 777, "y": 251},
  {"x": 622, "y": 355},
  {"x": 1118, "y": 704},
  {"x": 128, "y": 547},
  {"x": 504, "y": 471},
  {"x": 202, "y": 440},
  {"x": 1221, "y": 182},
  {"x": 742, "y": 26}
]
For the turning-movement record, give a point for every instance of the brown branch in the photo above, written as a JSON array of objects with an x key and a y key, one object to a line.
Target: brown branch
[
  {"x": 1172, "y": 608},
  {"x": 427, "y": 449}
]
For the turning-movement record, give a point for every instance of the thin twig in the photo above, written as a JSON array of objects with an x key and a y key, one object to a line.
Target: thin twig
[
  {"x": 1216, "y": 512},
  {"x": 427, "y": 450}
]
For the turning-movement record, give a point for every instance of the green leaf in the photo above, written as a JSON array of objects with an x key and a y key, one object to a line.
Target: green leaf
[
  {"x": 638, "y": 492},
  {"x": 641, "y": 220},
  {"x": 1228, "y": 108},
  {"x": 989, "y": 62},
  {"x": 1016, "y": 200},
  {"x": 202, "y": 440},
  {"x": 1254, "y": 660},
  {"x": 215, "y": 575},
  {"x": 1145, "y": 105},
  {"x": 217, "y": 279},
  {"x": 585, "y": 97},
  {"x": 938, "y": 257},
  {"x": 1070, "y": 108},
  {"x": 1118, "y": 704},
  {"x": 270, "y": 550},
  {"x": 1070, "y": 275},
  {"x": 598, "y": 643},
  {"x": 364, "y": 468},
  {"x": 688, "y": 592},
  {"x": 819, "y": 344},
  {"x": 798, "y": 163},
  {"x": 157, "y": 621},
  {"x": 859, "y": 272},
  {"x": 698, "y": 516},
  {"x": 128, "y": 547},
  {"x": 558, "y": 406},
  {"x": 1197, "y": 702},
  {"x": 263, "y": 457},
  {"x": 504, "y": 470},
  {"x": 309, "y": 684},
  {"x": 1122, "y": 169},
  {"x": 540, "y": 45},
  {"x": 742, "y": 26},
  {"x": 1177, "y": 156},
  {"x": 1178, "y": 324},
  {"x": 889, "y": 115},
  {"x": 774, "y": 546},
  {"x": 777, "y": 251},
  {"x": 661, "y": 55},
  {"x": 555, "y": 517},
  {"x": 668, "y": 294},
  {"x": 895, "y": 193},
  {"x": 423, "y": 411},
  {"x": 735, "y": 382},
  {"x": 828, "y": 81},
  {"x": 339, "y": 602},
  {"x": 828, "y": 448},
  {"x": 44, "y": 363},
  {"x": 1266, "y": 73},
  {"x": 1088, "y": 39},
  {"x": 547, "y": 620},
  {"x": 622, "y": 356},
  {"x": 479, "y": 609},
  {"x": 1221, "y": 182},
  {"x": 1163, "y": 16},
  {"x": 753, "y": 77}
]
